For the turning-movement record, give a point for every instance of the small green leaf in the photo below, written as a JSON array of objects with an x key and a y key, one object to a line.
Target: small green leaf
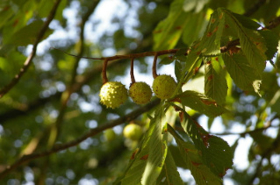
[
  {"x": 271, "y": 42},
  {"x": 169, "y": 174},
  {"x": 201, "y": 103},
  {"x": 215, "y": 81},
  {"x": 246, "y": 22},
  {"x": 242, "y": 73},
  {"x": 178, "y": 70},
  {"x": 166, "y": 61}
]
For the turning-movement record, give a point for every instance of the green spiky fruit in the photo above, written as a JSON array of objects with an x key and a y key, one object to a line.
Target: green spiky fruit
[
  {"x": 132, "y": 131},
  {"x": 109, "y": 135},
  {"x": 113, "y": 94},
  {"x": 164, "y": 86},
  {"x": 140, "y": 92}
]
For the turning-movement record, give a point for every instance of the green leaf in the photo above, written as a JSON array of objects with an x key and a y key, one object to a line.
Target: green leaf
[
  {"x": 215, "y": 152},
  {"x": 178, "y": 70},
  {"x": 192, "y": 63},
  {"x": 181, "y": 51},
  {"x": 246, "y": 22},
  {"x": 215, "y": 81},
  {"x": 251, "y": 42},
  {"x": 157, "y": 149},
  {"x": 210, "y": 43},
  {"x": 201, "y": 103},
  {"x": 166, "y": 61},
  {"x": 168, "y": 31},
  {"x": 192, "y": 157},
  {"x": 138, "y": 162},
  {"x": 271, "y": 42},
  {"x": 195, "y": 29},
  {"x": 242, "y": 73},
  {"x": 169, "y": 174}
]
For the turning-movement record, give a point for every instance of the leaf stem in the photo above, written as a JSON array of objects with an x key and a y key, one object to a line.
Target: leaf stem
[
  {"x": 132, "y": 71},
  {"x": 155, "y": 66},
  {"x": 104, "y": 74}
]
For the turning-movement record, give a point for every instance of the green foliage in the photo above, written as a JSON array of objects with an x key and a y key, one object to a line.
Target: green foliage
[
  {"x": 226, "y": 60},
  {"x": 201, "y": 103},
  {"x": 215, "y": 82}
]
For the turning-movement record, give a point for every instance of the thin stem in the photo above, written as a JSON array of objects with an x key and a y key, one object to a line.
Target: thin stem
[
  {"x": 104, "y": 74},
  {"x": 132, "y": 71},
  {"x": 155, "y": 65},
  {"x": 254, "y": 8}
]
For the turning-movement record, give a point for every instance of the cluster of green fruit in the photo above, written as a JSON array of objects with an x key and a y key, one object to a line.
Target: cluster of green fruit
[{"x": 113, "y": 94}]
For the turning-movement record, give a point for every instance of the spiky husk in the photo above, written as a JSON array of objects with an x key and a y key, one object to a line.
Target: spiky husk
[
  {"x": 113, "y": 94},
  {"x": 140, "y": 92},
  {"x": 164, "y": 86}
]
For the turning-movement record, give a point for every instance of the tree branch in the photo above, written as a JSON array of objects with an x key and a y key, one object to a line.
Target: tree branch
[
  {"x": 59, "y": 147},
  {"x": 29, "y": 59},
  {"x": 254, "y": 8}
]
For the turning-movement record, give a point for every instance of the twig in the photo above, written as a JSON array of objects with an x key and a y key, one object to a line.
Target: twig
[
  {"x": 29, "y": 59},
  {"x": 104, "y": 71},
  {"x": 132, "y": 71},
  {"x": 59, "y": 147},
  {"x": 273, "y": 24},
  {"x": 155, "y": 66},
  {"x": 254, "y": 8}
]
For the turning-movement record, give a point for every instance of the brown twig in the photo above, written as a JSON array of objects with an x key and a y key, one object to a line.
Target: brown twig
[
  {"x": 254, "y": 8},
  {"x": 59, "y": 147},
  {"x": 29, "y": 59},
  {"x": 104, "y": 71},
  {"x": 155, "y": 66},
  {"x": 273, "y": 24},
  {"x": 132, "y": 71}
]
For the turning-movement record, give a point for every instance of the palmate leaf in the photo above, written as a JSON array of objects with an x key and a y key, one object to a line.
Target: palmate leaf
[
  {"x": 215, "y": 82},
  {"x": 242, "y": 73},
  {"x": 192, "y": 157},
  {"x": 251, "y": 42},
  {"x": 201, "y": 103},
  {"x": 169, "y": 174},
  {"x": 214, "y": 151}
]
